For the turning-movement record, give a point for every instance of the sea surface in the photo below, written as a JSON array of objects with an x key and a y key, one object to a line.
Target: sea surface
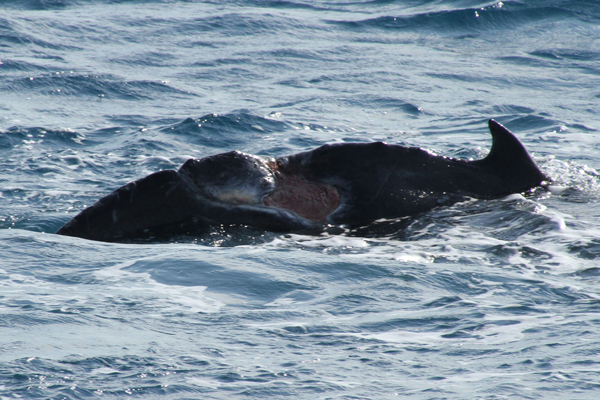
[{"x": 489, "y": 299}]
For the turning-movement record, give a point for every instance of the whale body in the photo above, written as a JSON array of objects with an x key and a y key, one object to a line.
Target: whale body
[{"x": 351, "y": 184}]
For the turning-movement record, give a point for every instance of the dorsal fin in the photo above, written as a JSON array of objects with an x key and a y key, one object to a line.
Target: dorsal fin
[{"x": 509, "y": 159}]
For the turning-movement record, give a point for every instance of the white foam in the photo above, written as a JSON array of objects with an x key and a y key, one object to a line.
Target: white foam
[
  {"x": 557, "y": 189},
  {"x": 514, "y": 197},
  {"x": 119, "y": 281},
  {"x": 104, "y": 371}
]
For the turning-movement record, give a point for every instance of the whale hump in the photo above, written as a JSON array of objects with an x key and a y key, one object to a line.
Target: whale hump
[{"x": 509, "y": 159}]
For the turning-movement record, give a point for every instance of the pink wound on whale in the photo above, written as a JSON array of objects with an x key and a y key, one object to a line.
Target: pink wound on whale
[{"x": 313, "y": 201}]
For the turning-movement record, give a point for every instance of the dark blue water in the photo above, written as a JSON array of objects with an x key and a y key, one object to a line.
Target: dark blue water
[{"x": 485, "y": 299}]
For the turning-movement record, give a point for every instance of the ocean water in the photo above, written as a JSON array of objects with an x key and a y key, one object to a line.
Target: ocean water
[{"x": 485, "y": 299}]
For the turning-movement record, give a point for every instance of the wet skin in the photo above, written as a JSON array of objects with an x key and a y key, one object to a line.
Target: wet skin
[{"x": 349, "y": 184}]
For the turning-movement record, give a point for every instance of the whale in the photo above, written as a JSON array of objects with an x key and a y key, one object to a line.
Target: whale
[{"x": 343, "y": 184}]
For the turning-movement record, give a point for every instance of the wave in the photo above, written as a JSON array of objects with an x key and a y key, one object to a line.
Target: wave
[
  {"x": 245, "y": 131},
  {"x": 14, "y": 35},
  {"x": 91, "y": 85},
  {"x": 224, "y": 131},
  {"x": 496, "y": 17},
  {"x": 52, "y": 138}
]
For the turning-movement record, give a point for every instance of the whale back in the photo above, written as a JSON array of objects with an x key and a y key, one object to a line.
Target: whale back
[
  {"x": 354, "y": 184},
  {"x": 378, "y": 180}
]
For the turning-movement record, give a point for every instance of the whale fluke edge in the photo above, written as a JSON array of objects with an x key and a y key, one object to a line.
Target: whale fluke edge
[{"x": 351, "y": 184}]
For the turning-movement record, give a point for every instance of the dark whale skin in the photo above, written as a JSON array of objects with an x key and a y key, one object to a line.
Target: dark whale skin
[{"x": 349, "y": 184}]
